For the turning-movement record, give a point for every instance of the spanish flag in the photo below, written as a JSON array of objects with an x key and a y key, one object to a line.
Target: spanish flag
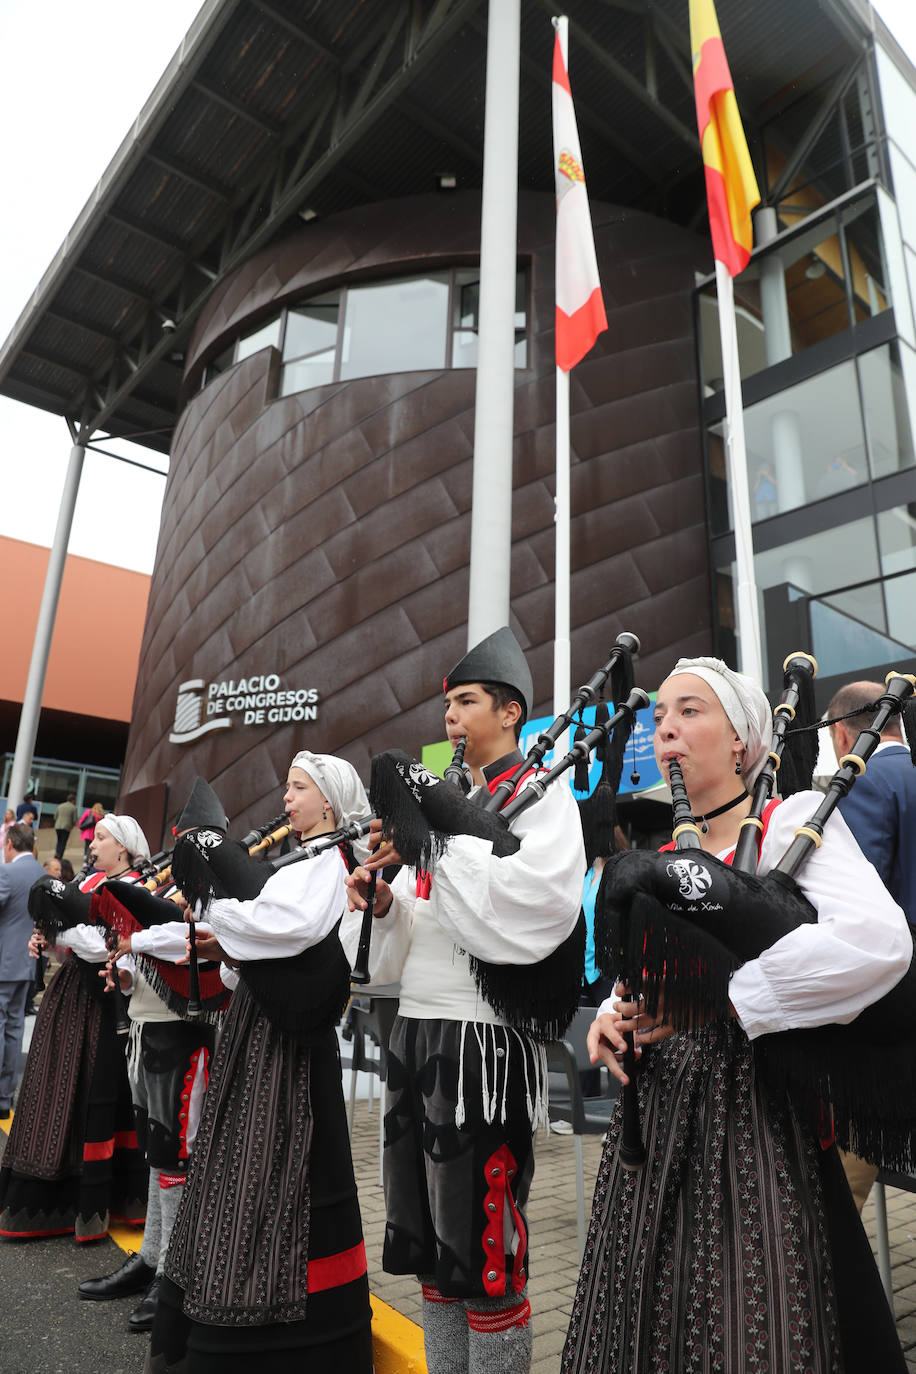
[{"x": 731, "y": 187}]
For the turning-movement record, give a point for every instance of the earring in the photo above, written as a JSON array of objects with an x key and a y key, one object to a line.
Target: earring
[
  {"x": 324, "y": 813},
  {"x": 737, "y": 765}
]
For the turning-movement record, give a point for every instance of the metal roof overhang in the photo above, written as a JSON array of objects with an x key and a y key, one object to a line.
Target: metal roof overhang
[{"x": 271, "y": 108}]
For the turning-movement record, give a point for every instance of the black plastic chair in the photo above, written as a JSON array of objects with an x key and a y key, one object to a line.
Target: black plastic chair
[
  {"x": 566, "y": 1060},
  {"x": 370, "y": 1020}
]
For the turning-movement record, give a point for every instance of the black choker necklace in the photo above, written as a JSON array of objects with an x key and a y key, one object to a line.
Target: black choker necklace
[{"x": 719, "y": 811}]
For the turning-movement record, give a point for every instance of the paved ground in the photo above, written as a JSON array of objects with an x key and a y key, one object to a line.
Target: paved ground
[
  {"x": 47, "y": 1330},
  {"x": 554, "y": 1261}
]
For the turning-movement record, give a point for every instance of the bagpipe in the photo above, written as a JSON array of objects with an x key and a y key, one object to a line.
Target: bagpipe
[
  {"x": 302, "y": 994},
  {"x": 55, "y": 906},
  {"x": 421, "y": 814},
  {"x": 193, "y": 991},
  {"x": 675, "y": 927}
]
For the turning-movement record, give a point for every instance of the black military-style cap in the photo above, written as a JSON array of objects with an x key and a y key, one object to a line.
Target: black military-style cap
[{"x": 498, "y": 658}]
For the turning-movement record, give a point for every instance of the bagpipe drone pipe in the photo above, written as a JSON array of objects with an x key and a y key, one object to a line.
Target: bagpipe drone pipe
[
  {"x": 421, "y": 814},
  {"x": 675, "y": 926}
]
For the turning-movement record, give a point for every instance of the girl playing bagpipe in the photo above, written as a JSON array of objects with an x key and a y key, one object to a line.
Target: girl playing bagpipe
[{"x": 736, "y": 1245}]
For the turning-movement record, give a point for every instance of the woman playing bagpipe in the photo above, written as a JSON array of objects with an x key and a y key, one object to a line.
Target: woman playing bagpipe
[
  {"x": 266, "y": 1264},
  {"x": 735, "y": 1246},
  {"x": 169, "y": 1046},
  {"x": 72, "y": 1161}
]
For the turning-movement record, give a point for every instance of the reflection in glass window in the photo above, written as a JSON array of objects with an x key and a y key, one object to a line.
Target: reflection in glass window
[
  {"x": 803, "y": 290},
  {"x": 897, "y": 543},
  {"x": 268, "y": 336},
  {"x": 315, "y": 370},
  {"x": 803, "y": 444},
  {"x": 466, "y": 319},
  {"x": 395, "y": 326},
  {"x": 839, "y": 566},
  {"x": 311, "y": 328},
  {"x": 310, "y": 344},
  {"x": 887, "y": 421}
]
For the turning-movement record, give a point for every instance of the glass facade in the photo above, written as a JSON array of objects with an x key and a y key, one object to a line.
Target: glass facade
[
  {"x": 52, "y": 780},
  {"x": 423, "y": 322},
  {"x": 828, "y": 405},
  {"x": 817, "y": 282}
]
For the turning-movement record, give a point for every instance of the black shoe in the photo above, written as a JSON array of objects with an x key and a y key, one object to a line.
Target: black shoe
[
  {"x": 141, "y": 1319},
  {"x": 5, "y": 1113},
  {"x": 133, "y": 1276}
]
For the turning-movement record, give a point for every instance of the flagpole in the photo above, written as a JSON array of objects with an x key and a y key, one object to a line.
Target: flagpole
[
  {"x": 562, "y": 516},
  {"x": 747, "y": 622}
]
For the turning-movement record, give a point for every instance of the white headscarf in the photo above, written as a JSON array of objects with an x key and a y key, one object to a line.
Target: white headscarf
[
  {"x": 745, "y": 705},
  {"x": 127, "y": 832},
  {"x": 340, "y": 783}
]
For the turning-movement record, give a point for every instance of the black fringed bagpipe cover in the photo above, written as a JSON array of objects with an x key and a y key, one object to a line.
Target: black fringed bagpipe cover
[
  {"x": 676, "y": 925},
  {"x": 125, "y": 908},
  {"x": 420, "y": 814},
  {"x": 303, "y": 995},
  {"x": 55, "y": 906}
]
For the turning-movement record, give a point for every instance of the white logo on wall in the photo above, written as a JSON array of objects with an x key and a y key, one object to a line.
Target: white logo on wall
[{"x": 256, "y": 700}]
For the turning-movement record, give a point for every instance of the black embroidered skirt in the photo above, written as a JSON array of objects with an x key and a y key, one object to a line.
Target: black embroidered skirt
[
  {"x": 72, "y": 1160},
  {"x": 267, "y": 1253},
  {"x": 722, "y": 1253}
]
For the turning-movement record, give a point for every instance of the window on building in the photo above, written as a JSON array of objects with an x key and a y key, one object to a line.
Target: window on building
[
  {"x": 887, "y": 420},
  {"x": 809, "y": 286},
  {"x": 840, "y": 568},
  {"x": 395, "y": 326},
  {"x": 415, "y": 323},
  {"x": 268, "y": 336},
  {"x": 803, "y": 444}
]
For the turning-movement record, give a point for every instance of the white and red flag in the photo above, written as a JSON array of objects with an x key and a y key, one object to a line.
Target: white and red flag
[{"x": 579, "y": 306}]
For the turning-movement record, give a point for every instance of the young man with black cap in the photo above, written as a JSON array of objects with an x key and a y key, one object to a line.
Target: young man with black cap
[{"x": 467, "y": 1082}]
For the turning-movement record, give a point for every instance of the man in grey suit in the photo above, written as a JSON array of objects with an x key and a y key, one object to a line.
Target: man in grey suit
[{"x": 17, "y": 968}]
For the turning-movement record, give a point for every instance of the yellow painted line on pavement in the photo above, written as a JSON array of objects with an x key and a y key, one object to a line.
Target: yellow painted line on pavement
[{"x": 397, "y": 1342}]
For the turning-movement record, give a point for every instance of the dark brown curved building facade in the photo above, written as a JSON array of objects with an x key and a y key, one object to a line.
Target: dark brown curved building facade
[{"x": 314, "y": 546}]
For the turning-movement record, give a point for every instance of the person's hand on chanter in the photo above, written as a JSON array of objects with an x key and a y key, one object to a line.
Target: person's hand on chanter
[
  {"x": 383, "y": 852},
  {"x": 37, "y": 943},
  {"x": 207, "y": 946},
  {"x": 606, "y": 1041},
  {"x": 358, "y": 892}
]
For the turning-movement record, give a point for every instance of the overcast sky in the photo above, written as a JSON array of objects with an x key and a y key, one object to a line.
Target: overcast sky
[{"x": 75, "y": 77}]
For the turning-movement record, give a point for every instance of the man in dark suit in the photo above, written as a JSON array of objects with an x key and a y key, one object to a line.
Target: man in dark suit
[
  {"x": 17, "y": 968},
  {"x": 880, "y": 810}
]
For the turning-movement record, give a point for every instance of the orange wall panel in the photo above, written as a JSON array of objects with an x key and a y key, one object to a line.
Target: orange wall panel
[{"x": 96, "y": 647}]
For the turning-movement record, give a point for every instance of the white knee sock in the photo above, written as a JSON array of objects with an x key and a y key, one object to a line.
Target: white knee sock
[
  {"x": 170, "y": 1197},
  {"x": 445, "y": 1333},
  {"x": 152, "y": 1231},
  {"x": 499, "y": 1335}
]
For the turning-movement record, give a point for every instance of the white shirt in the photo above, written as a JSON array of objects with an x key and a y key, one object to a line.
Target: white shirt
[
  {"x": 296, "y": 908},
  {"x": 513, "y": 910},
  {"x": 858, "y": 949}
]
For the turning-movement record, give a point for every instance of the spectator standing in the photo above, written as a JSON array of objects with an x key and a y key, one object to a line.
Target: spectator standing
[
  {"x": 28, "y": 803},
  {"x": 881, "y": 813},
  {"x": 64, "y": 821},
  {"x": 9, "y": 818},
  {"x": 21, "y": 869},
  {"x": 87, "y": 823}
]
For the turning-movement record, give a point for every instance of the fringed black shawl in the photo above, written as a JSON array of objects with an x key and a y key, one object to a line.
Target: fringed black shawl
[
  {"x": 127, "y": 907},
  {"x": 420, "y": 814}
]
